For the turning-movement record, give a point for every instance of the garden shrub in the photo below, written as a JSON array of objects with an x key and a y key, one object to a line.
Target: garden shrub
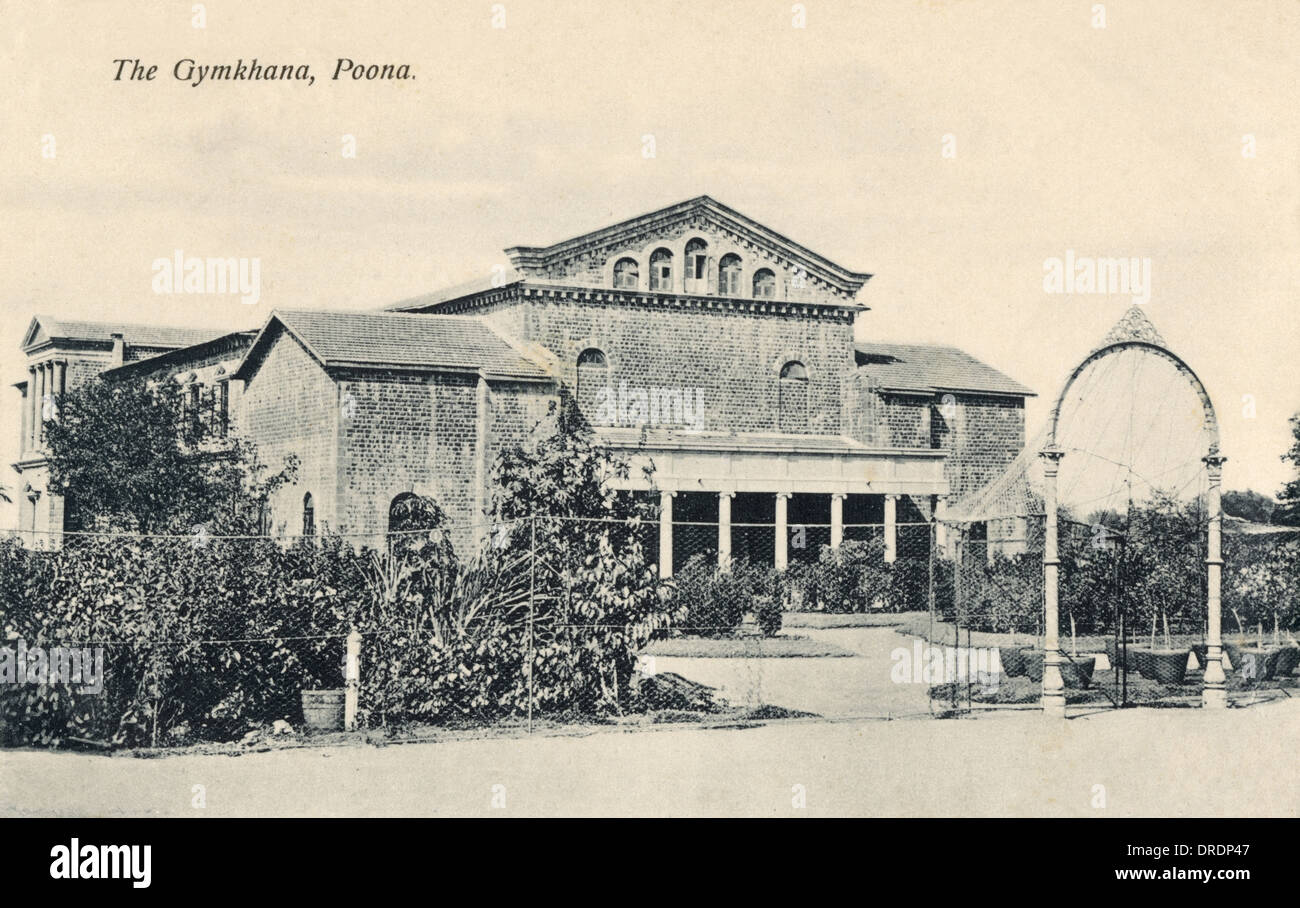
[{"x": 716, "y": 601}]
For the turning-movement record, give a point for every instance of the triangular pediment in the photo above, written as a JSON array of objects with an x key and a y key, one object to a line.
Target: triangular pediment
[
  {"x": 730, "y": 229},
  {"x": 35, "y": 335}
]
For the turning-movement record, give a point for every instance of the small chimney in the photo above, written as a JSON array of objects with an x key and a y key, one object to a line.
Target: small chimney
[{"x": 119, "y": 348}]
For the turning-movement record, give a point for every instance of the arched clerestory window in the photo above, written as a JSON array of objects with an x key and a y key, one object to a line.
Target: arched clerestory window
[
  {"x": 627, "y": 274},
  {"x": 729, "y": 275},
  {"x": 764, "y": 284},
  {"x": 661, "y": 270}
]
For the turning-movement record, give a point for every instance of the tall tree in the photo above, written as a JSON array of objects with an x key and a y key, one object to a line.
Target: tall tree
[
  {"x": 131, "y": 456},
  {"x": 1289, "y": 511}
]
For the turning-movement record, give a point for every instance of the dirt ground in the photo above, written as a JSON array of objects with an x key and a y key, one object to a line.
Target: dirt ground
[
  {"x": 899, "y": 762},
  {"x": 1137, "y": 762}
]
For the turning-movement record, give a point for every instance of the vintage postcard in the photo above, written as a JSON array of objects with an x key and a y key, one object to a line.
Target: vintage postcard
[{"x": 551, "y": 408}]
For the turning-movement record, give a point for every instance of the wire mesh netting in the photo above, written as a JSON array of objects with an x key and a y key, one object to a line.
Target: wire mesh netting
[{"x": 163, "y": 640}]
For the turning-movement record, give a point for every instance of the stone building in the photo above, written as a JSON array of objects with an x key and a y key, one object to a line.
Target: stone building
[{"x": 693, "y": 338}]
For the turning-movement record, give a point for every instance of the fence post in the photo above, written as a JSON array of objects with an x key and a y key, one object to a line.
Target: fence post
[
  {"x": 351, "y": 680},
  {"x": 532, "y": 592}
]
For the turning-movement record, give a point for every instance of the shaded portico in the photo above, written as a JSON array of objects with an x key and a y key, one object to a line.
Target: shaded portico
[{"x": 755, "y": 487}]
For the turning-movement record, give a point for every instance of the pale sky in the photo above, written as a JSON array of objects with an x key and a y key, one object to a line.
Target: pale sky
[{"x": 1118, "y": 141}]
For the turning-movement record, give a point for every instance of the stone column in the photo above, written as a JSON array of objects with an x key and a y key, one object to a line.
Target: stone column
[
  {"x": 666, "y": 534},
  {"x": 782, "y": 558},
  {"x": 25, "y": 439},
  {"x": 1214, "y": 693},
  {"x": 837, "y": 519},
  {"x": 60, "y": 381},
  {"x": 43, "y": 371},
  {"x": 33, "y": 407},
  {"x": 891, "y": 528},
  {"x": 724, "y": 529},
  {"x": 1053, "y": 684}
]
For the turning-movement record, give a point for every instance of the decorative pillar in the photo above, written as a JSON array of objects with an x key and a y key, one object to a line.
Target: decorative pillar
[
  {"x": 1053, "y": 683},
  {"x": 891, "y": 528},
  {"x": 666, "y": 534},
  {"x": 837, "y": 519},
  {"x": 25, "y": 439},
  {"x": 57, "y": 388},
  {"x": 782, "y": 558},
  {"x": 33, "y": 408},
  {"x": 1214, "y": 693},
  {"x": 724, "y": 529},
  {"x": 42, "y": 371}
]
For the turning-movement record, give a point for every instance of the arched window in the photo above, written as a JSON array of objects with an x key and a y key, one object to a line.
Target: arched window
[
  {"x": 697, "y": 264},
  {"x": 794, "y": 371},
  {"x": 308, "y": 516},
  {"x": 661, "y": 270},
  {"x": 627, "y": 274},
  {"x": 592, "y": 357},
  {"x": 792, "y": 398},
  {"x": 729, "y": 275},
  {"x": 401, "y": 512},
  {"x": 593, "y": 379},
  {"x": 764, "y": 284}
]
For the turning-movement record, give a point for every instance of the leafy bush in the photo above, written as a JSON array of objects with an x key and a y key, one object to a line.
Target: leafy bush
[{"x": 716, "y": 601}]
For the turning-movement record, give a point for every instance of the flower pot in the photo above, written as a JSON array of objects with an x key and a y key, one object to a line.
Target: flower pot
[
  {"x": 1138, "y": 655},
  {"x": 1168, "y": 666},
  {"x": 1077, "y": 672},
  {"x": 1256, "y": 663},
  {"x": 1033, "y": 657},
  {"x": 1013, "y": 661},
  {"x": 323, "y": 709},
  {"x": 1233, "y": 648},
  {"x": 1288, "y": 657},
  {"x": 1115, "y": 652}
]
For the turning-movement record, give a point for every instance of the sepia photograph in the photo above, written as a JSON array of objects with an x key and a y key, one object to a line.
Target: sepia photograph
[{"x": 555, "y": 409}]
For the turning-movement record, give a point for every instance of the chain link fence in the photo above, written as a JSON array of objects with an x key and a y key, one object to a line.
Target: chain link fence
[{"x": 172, "y": 640}]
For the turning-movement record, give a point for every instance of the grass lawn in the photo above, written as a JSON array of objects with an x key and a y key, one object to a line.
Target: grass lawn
[
  {"x": 853, "y": 619},
  {"x": 778, "y": 647},
  {"x": 1141, "y": 691}
]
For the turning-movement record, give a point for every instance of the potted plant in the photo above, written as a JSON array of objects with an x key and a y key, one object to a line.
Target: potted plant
[
  {"x": 1167, "y": 664},
  {"x": 323, "y": 709}
]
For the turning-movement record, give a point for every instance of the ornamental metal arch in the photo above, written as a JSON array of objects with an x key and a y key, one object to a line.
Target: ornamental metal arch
[{"x": 1134, "y": 331}]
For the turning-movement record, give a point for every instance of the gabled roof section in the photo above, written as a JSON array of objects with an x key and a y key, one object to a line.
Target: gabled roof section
[
  {"x": 399, "y": 341},
  {"x": 235, "y": 343},
  {"x": 932, "y": 369},
  {"x": 526, "y": 259},
  {"x": 45, "y": 329}
]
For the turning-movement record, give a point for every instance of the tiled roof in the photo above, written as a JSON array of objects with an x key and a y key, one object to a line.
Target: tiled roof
[
  {"x": 134, "y": 335},
  {"x": 393, "y": 339},
  {"x": 929, "y": 368}
]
